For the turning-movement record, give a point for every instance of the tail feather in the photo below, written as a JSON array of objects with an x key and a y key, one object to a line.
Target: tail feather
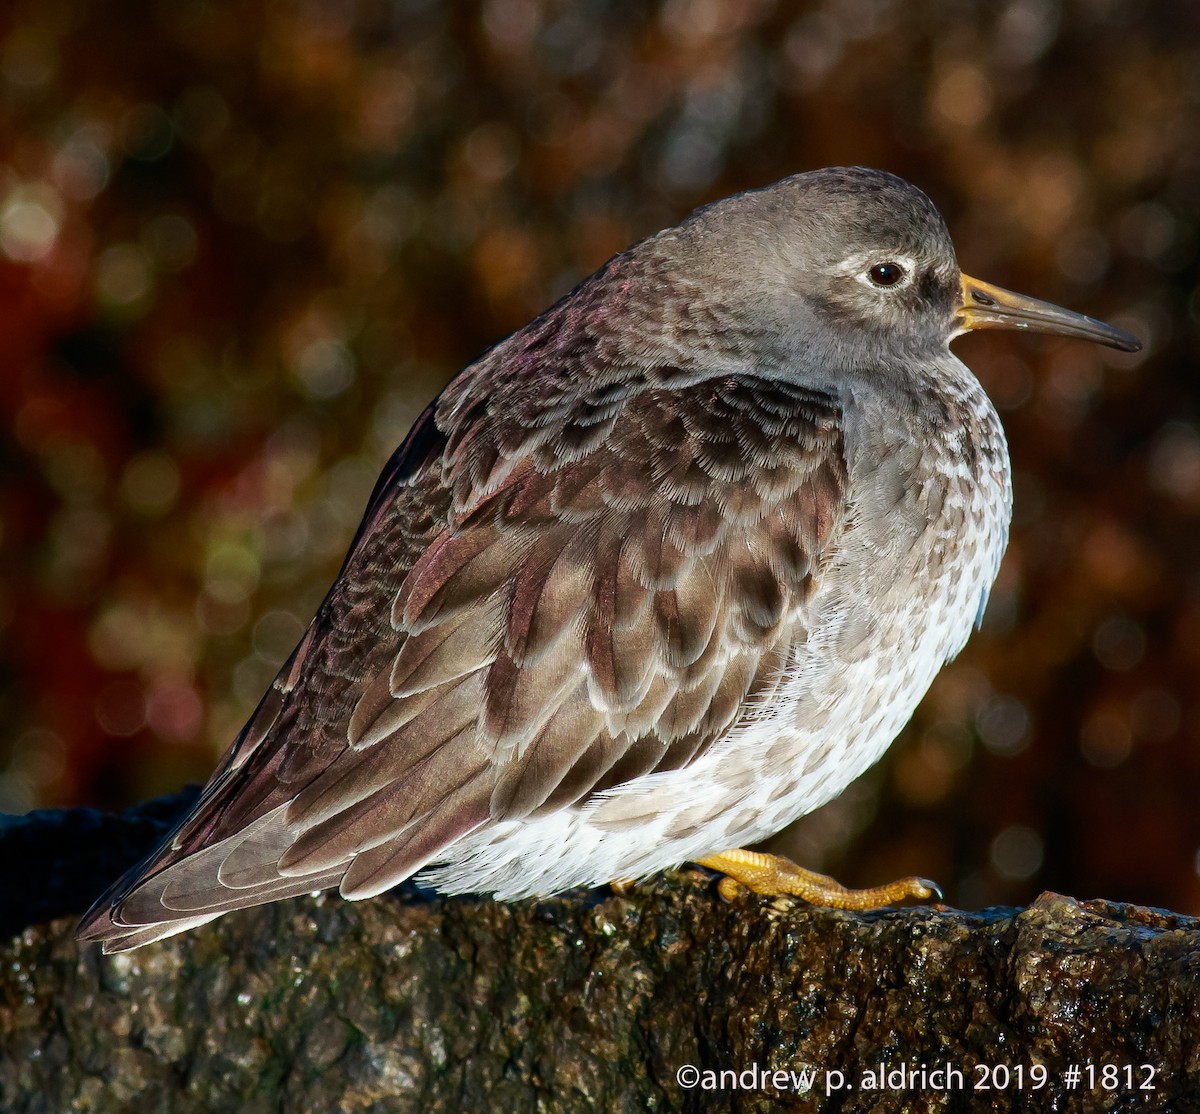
[{"x": 150, "y": 903}]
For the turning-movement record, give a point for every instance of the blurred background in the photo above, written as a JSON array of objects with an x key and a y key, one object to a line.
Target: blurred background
[{"x": 242, "y": 244}]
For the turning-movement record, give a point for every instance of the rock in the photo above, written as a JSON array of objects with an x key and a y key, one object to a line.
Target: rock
[
  {"x": 57, "y": 860},
  {"x": 599, "y": 1001}
]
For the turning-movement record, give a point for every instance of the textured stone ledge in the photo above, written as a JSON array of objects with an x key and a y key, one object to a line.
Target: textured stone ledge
[{"x": 595, "y": 1001}]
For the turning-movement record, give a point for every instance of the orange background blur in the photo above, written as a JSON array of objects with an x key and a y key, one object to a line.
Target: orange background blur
[{"x": 242, "y": 244}]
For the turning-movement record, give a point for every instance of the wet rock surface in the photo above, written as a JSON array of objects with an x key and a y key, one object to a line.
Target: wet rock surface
[{"x": 599, "y": 1001}]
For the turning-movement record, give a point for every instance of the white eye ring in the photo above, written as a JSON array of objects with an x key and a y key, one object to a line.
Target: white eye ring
[{"x": 875, "y": 271}]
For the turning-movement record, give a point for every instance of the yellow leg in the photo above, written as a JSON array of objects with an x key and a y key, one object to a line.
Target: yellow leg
[
  {"x": 773, "y": 874},
  {"x": 622, "y": 886}
]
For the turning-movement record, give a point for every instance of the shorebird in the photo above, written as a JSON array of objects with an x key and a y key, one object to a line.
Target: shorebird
[{"x": 656, "y": 575}]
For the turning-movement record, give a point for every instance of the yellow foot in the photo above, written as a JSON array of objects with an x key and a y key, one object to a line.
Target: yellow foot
[{"x": 773, "y": 874}]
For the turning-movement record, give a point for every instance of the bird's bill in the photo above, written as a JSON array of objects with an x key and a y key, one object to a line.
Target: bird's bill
[{"x": 992, "y": 307}]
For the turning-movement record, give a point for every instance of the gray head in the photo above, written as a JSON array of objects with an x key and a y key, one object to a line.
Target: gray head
[{"x": 845, "y": 263}]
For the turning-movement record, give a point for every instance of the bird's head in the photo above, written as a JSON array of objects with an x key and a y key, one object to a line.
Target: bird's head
[{"x": 857, "y": 263}]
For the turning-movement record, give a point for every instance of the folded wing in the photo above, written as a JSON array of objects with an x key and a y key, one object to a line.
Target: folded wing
[{"x": 548, "y": 598}]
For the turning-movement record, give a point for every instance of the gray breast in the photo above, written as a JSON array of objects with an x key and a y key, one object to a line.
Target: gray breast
[{"x": 930, "y": 496}]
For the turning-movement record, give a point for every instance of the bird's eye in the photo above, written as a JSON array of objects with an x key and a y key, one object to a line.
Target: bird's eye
[{"x": 886, "y": 274}]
